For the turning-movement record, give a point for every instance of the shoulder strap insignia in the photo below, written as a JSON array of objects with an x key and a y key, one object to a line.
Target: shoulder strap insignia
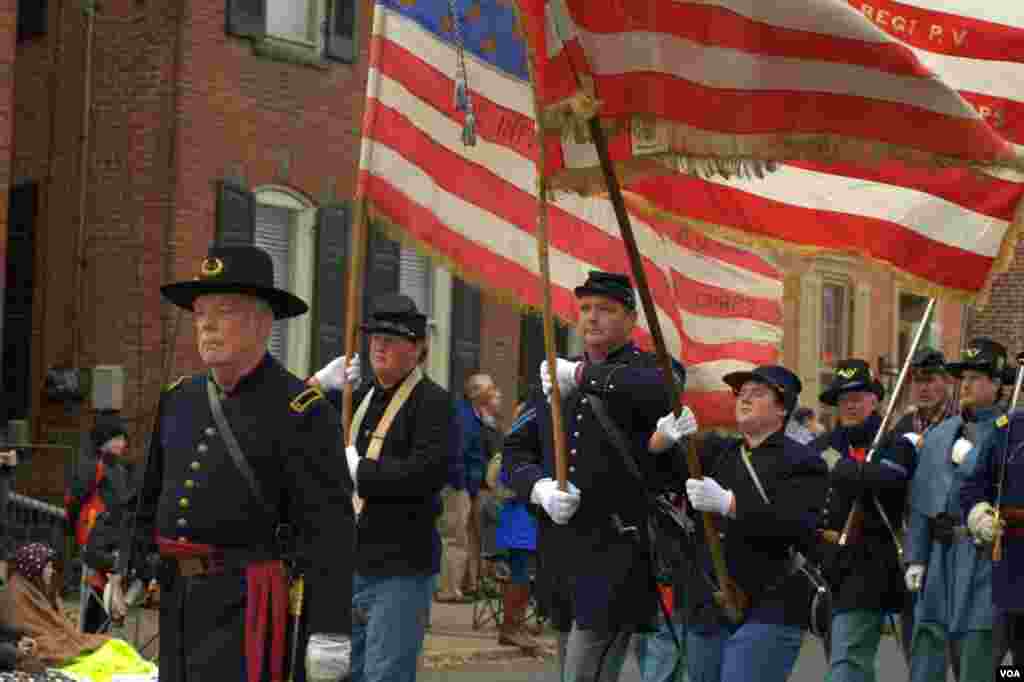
[
  {"x": 174, "y": 384},
  {"x": 1002, "y": 421},
  {"x": 302, "y": 401}
]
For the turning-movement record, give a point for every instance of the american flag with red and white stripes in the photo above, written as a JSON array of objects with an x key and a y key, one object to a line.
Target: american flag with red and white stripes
[
  {"x": 869, "y": 102},
  {"x": 720, "y": 306}
]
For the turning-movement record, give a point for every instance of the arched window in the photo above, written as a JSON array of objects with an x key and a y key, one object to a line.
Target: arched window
[{"x": 285, "y": 225}]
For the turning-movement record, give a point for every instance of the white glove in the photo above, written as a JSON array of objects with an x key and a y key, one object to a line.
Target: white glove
[
  {"x": 328, "y": 657},
  {"x": 565, "y": 374},
  {"x": 960, "y": 449},
  {"x": 981, "y": 521},
  {"x": 914, "y": 438},
  {"x": 674, "y": 428},
  {"x": 352, "y": 456},
  {"x": 707, "y": 496},
  {"x": 914, "y": 577},
  {"x": 559, "y": 505},
  {"x": 335, "y": 374}
]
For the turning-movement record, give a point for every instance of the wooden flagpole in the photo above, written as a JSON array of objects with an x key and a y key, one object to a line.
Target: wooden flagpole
[
  {"x": 352, "y": 305},
  {"x": 731, "y": 597},
  {"x": 543, "y": 259}
]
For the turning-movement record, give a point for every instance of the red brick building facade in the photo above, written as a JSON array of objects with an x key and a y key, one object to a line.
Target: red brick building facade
[{"x": 144, "y": 130}]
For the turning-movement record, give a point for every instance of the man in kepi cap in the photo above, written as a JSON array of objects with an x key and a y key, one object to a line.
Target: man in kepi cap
[
  {"x": 761, "y": 531},
  {"x": 998, "y": 481},
  {"x": 598, "y": 551},
  {"x": 403, "y": 430},
  {"x": 953, "y": 617},
  {"x": 244, "y": 457},
  {"x": 865, "y": 575},
  {"x": 931, "y": 404}
]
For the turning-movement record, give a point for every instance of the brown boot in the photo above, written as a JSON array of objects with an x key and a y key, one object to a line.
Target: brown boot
[{"x": 512, "y": 633}]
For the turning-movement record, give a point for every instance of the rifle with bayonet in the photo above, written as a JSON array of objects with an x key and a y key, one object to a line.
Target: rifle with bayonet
[{"x": 853, "y": 529}]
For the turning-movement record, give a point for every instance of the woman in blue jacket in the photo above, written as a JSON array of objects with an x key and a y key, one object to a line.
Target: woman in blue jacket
[{"x": 516, "y": 534}]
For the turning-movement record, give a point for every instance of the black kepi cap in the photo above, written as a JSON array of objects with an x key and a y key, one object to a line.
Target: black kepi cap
[
  {"x": 610, "y": 284},
  {"x": 397, "y": 315},
  {"x": 785, "y": 383}
]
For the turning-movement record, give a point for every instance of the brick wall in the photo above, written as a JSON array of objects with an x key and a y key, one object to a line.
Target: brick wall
[
  {"x": 176, "y": 105},
  {"x": 8, "y": 19},
  {"x": 1002, "y": 319}
]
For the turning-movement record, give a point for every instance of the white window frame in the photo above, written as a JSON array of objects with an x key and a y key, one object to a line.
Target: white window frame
[
  {"x": 316, "y": 16},
  {"x": 301, "y": 270}
]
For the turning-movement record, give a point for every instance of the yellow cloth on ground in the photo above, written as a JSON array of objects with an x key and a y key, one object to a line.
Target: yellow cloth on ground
[{"x": 116, "y": 657}]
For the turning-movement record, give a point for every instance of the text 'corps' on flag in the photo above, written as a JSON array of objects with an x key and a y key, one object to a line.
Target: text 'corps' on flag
[
  {"x": 899, "y": 123},
  {"x": 719, "y": 306}
]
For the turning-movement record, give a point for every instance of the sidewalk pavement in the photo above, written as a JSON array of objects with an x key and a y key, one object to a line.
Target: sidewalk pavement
[{"x": 452, "y": 639}]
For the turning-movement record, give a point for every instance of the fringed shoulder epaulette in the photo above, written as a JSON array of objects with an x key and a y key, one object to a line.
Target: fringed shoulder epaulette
[{"x": 304, "y": 400}]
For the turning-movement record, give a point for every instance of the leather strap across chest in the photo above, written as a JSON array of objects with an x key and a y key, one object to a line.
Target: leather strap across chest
[{"x": 380, "y": 433}]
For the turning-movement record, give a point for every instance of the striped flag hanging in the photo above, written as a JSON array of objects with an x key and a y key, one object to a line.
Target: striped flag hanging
[
  {"x": 719, "y": 306},
  {"x": 869, "y": 102}
]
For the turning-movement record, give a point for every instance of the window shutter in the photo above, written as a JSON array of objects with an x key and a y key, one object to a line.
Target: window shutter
[
  {"x": 18, "y": 290},
  {"x": 247, "y": 17},
  {"x": 235, "y": 214},
  {"x": 382, "y": 268},
  {"x": 340, "y": 32},
  {"x": 414, "y": 279},
  {"x": 331, "y": 286},
  {"x": 465, "y": 348},
  {"x": 273, "y": 235},
  {"x": 31, "y": 19},
  {"x": 531, "y": 347}
]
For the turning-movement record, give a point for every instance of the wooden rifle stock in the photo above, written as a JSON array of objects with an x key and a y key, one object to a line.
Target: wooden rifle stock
[{"x": 853, "y": 529}]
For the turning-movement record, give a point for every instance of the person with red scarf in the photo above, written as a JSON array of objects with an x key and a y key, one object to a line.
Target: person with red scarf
[
  {"x": 245, "y": 480},
  {"x": 100, "y": 485}
]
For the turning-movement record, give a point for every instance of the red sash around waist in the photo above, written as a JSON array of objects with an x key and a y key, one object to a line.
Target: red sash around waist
[{"x": 266, "y": 606}]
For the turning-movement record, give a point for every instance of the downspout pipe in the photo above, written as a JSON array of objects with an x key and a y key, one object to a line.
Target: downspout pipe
[{"x": 89, "y": 11}]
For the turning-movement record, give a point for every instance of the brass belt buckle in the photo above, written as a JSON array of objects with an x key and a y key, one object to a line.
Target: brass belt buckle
[{"x": 190, "y": 567}]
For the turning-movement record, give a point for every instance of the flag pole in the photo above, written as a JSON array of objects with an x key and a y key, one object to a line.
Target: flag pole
[
  {"x": 543, "y": 259},
  {"x": 352, "y": 305},
  {"x": 731, "y": 597}
]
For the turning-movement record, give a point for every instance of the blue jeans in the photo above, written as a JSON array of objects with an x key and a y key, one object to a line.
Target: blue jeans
[
  {"x": 765, "y": 652},
  {"x": 657, "y": 656},
  {"x": 389, "y": 618}
]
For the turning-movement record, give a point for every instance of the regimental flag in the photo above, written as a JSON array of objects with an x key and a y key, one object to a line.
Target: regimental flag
[
  {"x": 876, "y": 99},
  {"x": 719, "y": 306}
]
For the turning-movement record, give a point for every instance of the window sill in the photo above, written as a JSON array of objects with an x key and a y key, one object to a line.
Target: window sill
[{"x": 289, "y": 52}]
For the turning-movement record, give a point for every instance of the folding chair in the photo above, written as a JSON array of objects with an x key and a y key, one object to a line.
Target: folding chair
[{"x": 488, "y": 606}]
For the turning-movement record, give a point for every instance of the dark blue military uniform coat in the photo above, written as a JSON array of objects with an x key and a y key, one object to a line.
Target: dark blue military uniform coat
[
  {"x": 867, "y": 575},
  {"x": 759, "y": 539},
  {"x": 1004, "y": 447},
  {"x": 609, "y": 573},
  {"x": 193, "y": 492}
]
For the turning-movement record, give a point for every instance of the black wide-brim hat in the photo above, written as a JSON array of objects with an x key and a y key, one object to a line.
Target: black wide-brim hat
[
  {"x": 610, "y": 285},
  {"x": 244, "y": 270},
  {"x": 851, "y": 375},
  {"x": 785, "y": 383},
  {"x": 981, "y": 355},
  {"x": 396, "y": 315}
]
